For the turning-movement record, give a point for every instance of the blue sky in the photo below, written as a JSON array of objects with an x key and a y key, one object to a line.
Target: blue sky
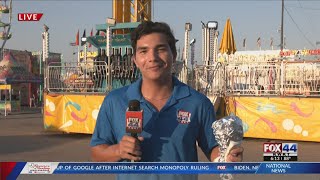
[{"x": 250, "y": 20}]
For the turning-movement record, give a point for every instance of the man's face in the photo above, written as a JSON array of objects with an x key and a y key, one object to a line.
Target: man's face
[{"x": 154, "y": 57}]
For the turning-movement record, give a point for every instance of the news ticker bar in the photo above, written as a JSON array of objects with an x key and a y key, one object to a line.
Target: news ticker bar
[{"x": 169, "y": 168}]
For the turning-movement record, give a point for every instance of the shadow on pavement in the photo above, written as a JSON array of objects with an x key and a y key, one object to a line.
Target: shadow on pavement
[
  {"x": 26, "y": 143},
  {"x": 23, "y": 110}
]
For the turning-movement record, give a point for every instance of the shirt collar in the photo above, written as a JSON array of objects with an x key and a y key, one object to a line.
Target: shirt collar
[{"x": 180, "y": 90}]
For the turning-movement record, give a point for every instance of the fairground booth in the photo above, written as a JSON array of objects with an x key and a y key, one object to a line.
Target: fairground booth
[{"x": 16, "y": 84}]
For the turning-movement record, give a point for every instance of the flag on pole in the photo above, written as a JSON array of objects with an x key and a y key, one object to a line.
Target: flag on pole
[
  {"x": 259, "y": 42},
  {"x": 83, "y": 35},
  {"x": 91, "y": 34},
  {"x": 244, "y": 43},
  {"x": 77, "y": 38},
  {"x": 271, "y": 41}
]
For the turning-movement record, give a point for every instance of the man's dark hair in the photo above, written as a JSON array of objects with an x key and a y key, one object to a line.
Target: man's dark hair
[{"x": 148, "y": 27}]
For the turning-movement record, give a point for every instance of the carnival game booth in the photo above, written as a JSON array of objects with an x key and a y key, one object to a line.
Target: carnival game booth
[
  {"x": 10, "y": 99},
  {"x": 15, "y": 82}
]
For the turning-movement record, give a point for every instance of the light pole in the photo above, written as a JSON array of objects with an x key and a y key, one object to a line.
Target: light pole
[
  {"x": 45, "y": 55},
  {"x": 39, "y": 54},
  {"x": 209, "y": 42},
  {"x": 184, "y": 74},
  {"x": 110, "y": 23},
  {"x": 192, "y": 45},
  {"x": 281, "y": 38},
  {"x": 209, "y": 46}
]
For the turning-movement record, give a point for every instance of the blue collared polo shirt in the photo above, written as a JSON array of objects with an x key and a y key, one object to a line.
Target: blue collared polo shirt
[{"x": 169, "y": 135}]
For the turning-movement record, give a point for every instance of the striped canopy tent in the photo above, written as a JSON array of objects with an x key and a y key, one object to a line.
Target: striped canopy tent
[{"x": 11, "y": 72}]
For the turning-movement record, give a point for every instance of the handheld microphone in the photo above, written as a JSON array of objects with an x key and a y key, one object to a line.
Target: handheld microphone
[{"x": 134, "y": 118}]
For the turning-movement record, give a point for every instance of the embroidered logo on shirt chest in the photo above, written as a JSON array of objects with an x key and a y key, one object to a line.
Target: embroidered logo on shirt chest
[{"x": 183, "y": 117}]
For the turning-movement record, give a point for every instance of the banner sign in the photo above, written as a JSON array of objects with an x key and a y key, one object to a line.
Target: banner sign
[
  {"x": 13, "y": 169},
  {"x": 117, "y": 40},
  {"x": 284, "y": 118}
]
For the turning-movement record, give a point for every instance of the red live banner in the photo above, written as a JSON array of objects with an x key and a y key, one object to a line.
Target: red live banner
[{"x": 29, "y": 16}]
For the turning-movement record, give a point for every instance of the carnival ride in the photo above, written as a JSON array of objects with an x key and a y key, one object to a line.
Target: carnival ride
[
  {"x": 5, "y": 21},
  {"x": 5, "y": 15}
]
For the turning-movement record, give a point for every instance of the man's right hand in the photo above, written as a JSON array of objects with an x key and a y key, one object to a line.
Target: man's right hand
[{"x": 129, "y": 148}]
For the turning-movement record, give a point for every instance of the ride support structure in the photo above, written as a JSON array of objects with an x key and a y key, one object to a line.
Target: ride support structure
[
  {"x": 132, "y": 10},
  {"x": 5, "y": 15},
  {"x": 183, "y": 76}
]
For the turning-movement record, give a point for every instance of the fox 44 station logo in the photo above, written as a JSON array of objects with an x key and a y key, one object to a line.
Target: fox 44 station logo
[{"x": 280, "y": 151}]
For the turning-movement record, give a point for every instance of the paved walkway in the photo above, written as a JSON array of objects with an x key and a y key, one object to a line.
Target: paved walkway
[
  {"x": 22, "y": 138},
  {"x": 24, "y": 110}
]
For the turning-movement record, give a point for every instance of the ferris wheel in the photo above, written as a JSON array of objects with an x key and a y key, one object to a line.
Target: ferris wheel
[{"x": 5, "y": 22}]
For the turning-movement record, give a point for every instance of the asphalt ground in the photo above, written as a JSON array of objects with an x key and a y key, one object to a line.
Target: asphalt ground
[{"x": 22, "y": 138}]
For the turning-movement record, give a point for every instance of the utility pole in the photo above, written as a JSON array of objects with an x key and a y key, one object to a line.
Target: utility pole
[
  {"x": 281, "y": 40},
  {"x": 192, "y": 45}
]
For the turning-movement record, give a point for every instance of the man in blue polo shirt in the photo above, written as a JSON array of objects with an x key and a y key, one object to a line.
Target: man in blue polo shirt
[{"x": 175, "y": 116}]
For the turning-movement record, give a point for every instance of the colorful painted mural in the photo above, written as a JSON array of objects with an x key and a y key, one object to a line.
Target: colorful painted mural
[
  {"x": 71, "y": 113},
  {"x": 278, "y": 118}
]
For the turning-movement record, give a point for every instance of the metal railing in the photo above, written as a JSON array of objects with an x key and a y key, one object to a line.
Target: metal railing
[
  {"x": 252, "y": 79},
  {"x": 210, "y": 79},
  {"x": 92, "y": 77},
  {"x": 273, "y": 78},
  {"x": 89, "y": 77},
  {"x": 301, "y": 79}
]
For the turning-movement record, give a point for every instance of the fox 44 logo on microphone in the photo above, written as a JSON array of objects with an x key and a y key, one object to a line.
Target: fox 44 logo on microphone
[{"x": 280, "y": 151}]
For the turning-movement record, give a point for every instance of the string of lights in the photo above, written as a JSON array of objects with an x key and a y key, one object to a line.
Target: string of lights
[
  {"x": 306, "y": 8},
  {"x": 303, "y": 34}
]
